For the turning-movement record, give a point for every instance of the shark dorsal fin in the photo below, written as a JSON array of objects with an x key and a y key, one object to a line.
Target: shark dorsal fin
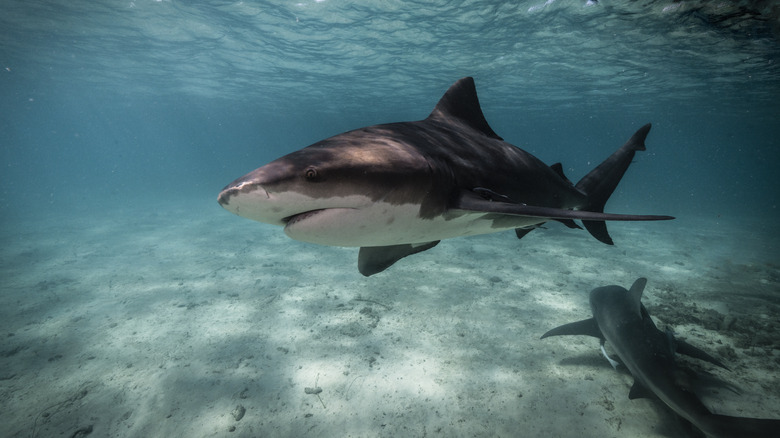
[
  {"x": 636, "y": 294},
  {"x": 461, "y": 102}
]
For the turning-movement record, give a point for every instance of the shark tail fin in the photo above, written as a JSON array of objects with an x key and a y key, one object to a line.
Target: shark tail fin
[
  {"x": 602, "y": 181},
  {"x": 724, "y": 425}
]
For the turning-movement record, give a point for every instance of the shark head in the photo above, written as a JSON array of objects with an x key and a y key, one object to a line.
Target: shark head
[{"x": 338, "y": 191}]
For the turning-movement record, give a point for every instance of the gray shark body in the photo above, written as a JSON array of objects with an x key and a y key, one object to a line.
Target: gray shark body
[
  {"x": 649, "y": 354},
  {"x": 398, "y": 189}
]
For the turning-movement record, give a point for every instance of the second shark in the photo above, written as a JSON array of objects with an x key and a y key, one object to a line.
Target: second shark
[{"x": 649, "y": 354}]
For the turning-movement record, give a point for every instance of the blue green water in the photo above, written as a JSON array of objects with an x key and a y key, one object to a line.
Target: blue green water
[
  {"x": 108, "y": 100},
  {"x": 143, "y": 110}
]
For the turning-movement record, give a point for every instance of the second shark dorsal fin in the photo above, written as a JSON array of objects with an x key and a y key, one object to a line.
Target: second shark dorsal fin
[
  {"x": 636, "y": 294},
  {"x": 588, "y": 327},
  {"x": 461, "y": 102}
]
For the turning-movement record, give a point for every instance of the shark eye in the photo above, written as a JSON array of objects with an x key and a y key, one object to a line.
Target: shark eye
[{"x": 311, "y": 173}]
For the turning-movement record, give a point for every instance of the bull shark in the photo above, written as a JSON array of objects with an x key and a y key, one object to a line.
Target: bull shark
[
  {"x": 648, "y": 353},
  {"x": 398, "y": 189}
]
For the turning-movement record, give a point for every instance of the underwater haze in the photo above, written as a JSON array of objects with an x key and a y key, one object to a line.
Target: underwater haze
[{"x": 132, "y": 304}]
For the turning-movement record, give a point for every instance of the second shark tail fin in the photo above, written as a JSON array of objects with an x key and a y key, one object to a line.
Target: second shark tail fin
[
  {"x": 727, "y": 426},
  {"x": 602, "y": 181}
]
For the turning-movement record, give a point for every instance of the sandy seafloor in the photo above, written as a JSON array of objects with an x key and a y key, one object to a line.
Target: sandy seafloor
[{"x": 184, "y": 320}]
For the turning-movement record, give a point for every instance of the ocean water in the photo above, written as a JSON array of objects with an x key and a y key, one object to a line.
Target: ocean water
[{"x": 131, "y": 304}]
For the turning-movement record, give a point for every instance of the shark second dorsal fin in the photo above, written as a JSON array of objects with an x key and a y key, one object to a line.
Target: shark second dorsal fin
[
  {"x": 461, "y": 102},
  {"x": 558, "y": 168}
]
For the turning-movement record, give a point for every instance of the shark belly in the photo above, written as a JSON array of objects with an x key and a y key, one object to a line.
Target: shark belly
[{"x": 383, "y": 224}]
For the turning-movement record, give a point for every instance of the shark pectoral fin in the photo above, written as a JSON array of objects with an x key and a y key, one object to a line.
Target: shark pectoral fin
[
  {"x": 689, "y": 350},
  {"x": 375, "y": 259},
  {"x": 587, "y": 327},
  {"x": 474, "y": 201},
  {"x": 639, "y": 391}
]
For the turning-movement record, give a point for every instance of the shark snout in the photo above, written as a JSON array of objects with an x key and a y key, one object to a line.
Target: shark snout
[
  {"x": 238, "y": 188},
  {"x": 224, "y": 196}
]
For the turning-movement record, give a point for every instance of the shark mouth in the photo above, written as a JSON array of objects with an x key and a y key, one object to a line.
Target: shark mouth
[{"x": 290, "y": 220}]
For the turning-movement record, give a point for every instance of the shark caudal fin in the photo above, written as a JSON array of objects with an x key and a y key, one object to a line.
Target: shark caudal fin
[
  {"x": 601, "y": 181},
  {"x": 727, "y": 426}
]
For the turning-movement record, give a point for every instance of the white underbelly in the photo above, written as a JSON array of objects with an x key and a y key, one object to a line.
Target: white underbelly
[{"x": 383, "y": 224}]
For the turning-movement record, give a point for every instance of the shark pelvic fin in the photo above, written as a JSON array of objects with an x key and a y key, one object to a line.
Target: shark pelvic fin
[
  {"x": 639, "y": 391},
  {"x": 611, "y": 361}
]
